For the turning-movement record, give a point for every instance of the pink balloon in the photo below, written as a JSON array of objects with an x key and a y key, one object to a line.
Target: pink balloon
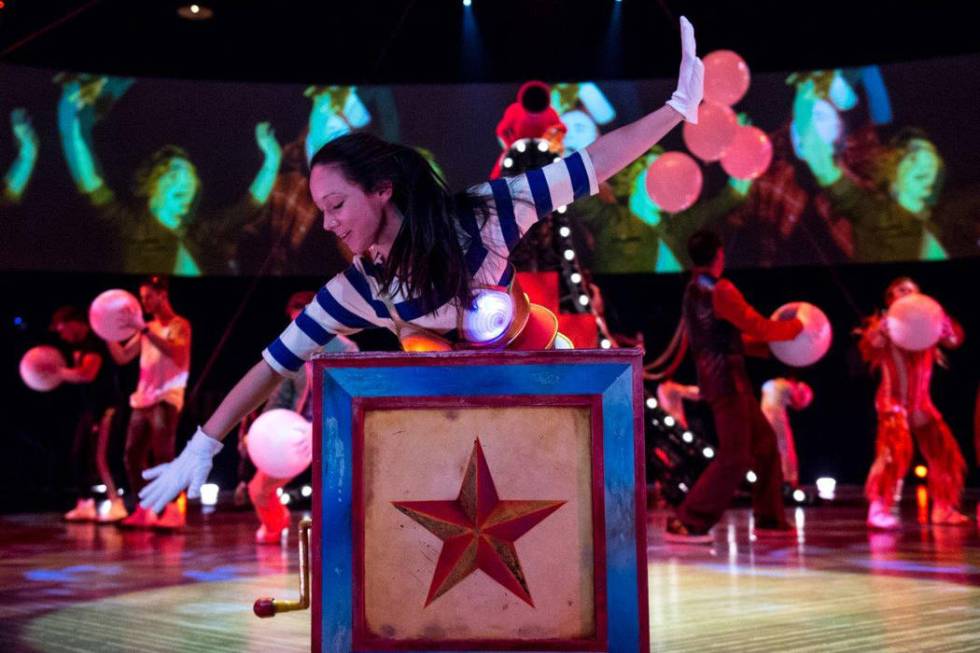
[
  {"x": 749, "y": 155},
  {"x": 714, "y": 133},
  {"x": 39, "y": 368},
  {"x": 108, "y": 309},
  {"x": 915, "y": 322},
  {"x": 674, "y": 181},
  {"x": 280, "y": 443},
  {"x": 811, "y": 344},
  {"x": 726, "y": 77}
]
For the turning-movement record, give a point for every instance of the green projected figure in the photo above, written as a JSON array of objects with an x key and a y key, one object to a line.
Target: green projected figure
[
  {"x": 891, "y": 217},
  {"x": 159, "y": 230},
  {"x": 20, "y": 171}
]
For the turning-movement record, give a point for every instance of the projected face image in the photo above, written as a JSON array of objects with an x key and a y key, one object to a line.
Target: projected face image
[
  {"x": 915, "y": 179},
  {"x": 174, "y": 191}
]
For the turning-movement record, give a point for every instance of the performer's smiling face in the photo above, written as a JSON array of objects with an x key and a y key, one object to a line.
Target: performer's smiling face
[{"x": 355, "y": 215}]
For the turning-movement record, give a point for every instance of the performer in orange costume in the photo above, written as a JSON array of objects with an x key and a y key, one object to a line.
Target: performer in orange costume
[{"x": 905, "y": 409}]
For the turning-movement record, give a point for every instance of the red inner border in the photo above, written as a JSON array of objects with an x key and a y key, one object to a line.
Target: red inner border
[{"x": 363, "y": 640}]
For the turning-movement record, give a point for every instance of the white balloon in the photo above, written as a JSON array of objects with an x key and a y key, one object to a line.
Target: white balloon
[
  {"x": 280, "y": 443},
  {"x": 109, "y": 309},
  {"x": 811, "y": 344},
  {"x": 915, "y": 322},
  {"x": 39, "y": 368}
]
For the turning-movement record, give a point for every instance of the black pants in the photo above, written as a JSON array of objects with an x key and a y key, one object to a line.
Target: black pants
[
  {"x": 89, "y": 460},
  {"x": 152, "y": 432},
  {"x": 745, "y": 441}
]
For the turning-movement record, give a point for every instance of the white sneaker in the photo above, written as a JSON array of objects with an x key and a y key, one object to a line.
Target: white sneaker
[
  {"x": 112, "y": 511},
  {"x": 84, "y": 510},
  {"x": 880, "y": 517}
]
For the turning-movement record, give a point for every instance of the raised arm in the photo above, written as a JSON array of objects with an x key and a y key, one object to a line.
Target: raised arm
[
  {"x": 266, "y": 178},
  {"x": 15, "y": 181},
  {"x": 75, "y": 137},
  {"x": 617, "y": 149}
]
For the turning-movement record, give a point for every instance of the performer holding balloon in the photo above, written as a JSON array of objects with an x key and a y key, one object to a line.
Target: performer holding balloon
[
  {"x": 279, "y": 442},
  {"x": 99, "y": 389},
  {"x": 720, "y": 325},
  {"x": 428, "y": 262},
  {"x": 903, "y": 345},
  {"x": 164, "y": 348}
]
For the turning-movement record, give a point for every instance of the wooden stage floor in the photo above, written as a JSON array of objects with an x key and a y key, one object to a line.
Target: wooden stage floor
[{"x": 834, "y": 587}]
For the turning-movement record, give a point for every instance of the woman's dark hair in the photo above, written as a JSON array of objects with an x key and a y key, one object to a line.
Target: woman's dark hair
[
  {"x": 427, "y": 260},
  {"x": 703, "y": 246}
]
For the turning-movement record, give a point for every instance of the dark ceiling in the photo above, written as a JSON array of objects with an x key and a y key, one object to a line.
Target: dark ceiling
[{"x": 363, "y": 41}]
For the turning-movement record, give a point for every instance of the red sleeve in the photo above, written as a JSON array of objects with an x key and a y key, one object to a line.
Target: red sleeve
[{"x": 730, "y": 305}]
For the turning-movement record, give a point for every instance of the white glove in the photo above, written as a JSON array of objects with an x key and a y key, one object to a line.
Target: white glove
[
  {"x": 187, "y": 471},
  {"x": 690, "y": 80}
]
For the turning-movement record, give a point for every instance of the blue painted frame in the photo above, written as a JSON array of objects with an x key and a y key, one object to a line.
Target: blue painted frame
[{"x": 339, "y": 379}]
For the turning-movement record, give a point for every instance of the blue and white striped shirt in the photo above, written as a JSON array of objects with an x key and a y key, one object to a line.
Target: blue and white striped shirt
[{"x": 351, "y": 301}]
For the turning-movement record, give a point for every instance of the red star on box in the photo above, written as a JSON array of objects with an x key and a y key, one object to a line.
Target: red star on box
[{"x": 478, "y": 530}]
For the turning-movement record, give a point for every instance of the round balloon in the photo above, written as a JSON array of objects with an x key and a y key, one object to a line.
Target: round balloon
[
  {"x": 713, "y": 135},
  {"x": 915, "y": 322},
  {"x": 726, "y": 77},
  {"x": 40, "y": 368},
  {"x": 812, "y": 343},
  {"x": 110, "y": 310},
  {"x": 674, "y": 181},
  {"x": 749, "y": 154},
  {"x": 280, "y": 443}
]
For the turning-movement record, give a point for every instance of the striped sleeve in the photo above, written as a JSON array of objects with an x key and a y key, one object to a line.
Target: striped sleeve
[
  {"x": 338, "y": 309},
  {"x": 523, "y": 200}
]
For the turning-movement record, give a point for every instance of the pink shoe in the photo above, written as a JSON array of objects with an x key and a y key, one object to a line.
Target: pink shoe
[
  {"x": 171, "y": 519},
  {"x": 84, "y": 510},
  {"x": 265, "y": 536},
  {"x": 141, "y": 518},
  {"x": 881, "y": 518}
]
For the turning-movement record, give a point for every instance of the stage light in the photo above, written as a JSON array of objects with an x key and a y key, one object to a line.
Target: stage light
[
  {"x": 577, "y": 278},
  {"x": 306, "y": 491},
  {"x": 542, "y": 146},
  {"x": 521, "y": 146},
  {"x": 655, "y": 422},
  {"x": 556, "y": 159},
  {"x": 18, "y": 321},
  {"x": 687, "y": 437},
  {"x": 285, "y": 499},
  {"x": 195, "y": 12},
  {"x": 708, "y": 452},
  {"x": 279, "y": 492},
  {"x": 921, "y": 471},
  {"x": 651, "y": 403},
  {"x": 569, "y": 254},
  {"x": 682, "y": 486},
  {"x": 99, "y": 489},
  {"x": 583, "y": 300},
  {"x": 562, "y": 208},
  {"x": 799, "y": 496},
  {"x": 209, "y": 494},
  {"x": 605, "y": 344},
  {"x": 669, "y": 421},
  {"x": 508, "y": 162},
  {"x": 751, "y": 477},
  {"x": 120, "y": 491},
  {"x": 565, "y": 232},
  {"x": 826, "y": 487},
  {"x": 467, "y": 3}
]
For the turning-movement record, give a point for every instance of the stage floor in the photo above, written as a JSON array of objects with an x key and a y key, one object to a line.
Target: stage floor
[{"x": 834, "y": 587}]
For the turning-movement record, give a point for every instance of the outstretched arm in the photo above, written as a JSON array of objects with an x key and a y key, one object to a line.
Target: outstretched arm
[
  {"x": 617, "y": 149},
  {"x": 15, "y": 181}
]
